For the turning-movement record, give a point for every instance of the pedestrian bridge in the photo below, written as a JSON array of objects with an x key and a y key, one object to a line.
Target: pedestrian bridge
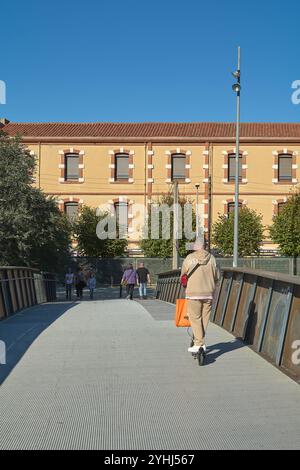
[{"x": 116, "y": 374}]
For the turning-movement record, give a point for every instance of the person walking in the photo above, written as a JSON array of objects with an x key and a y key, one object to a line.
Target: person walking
[
  {"x": 143, "y": 277},
  {"x": 129, "y": 279},
  {"x": 79, "y": 283},
  {"x": 204, "y": 274},
  {"x": 69, "y": 280},
  {"x": 91, "y": 283}
]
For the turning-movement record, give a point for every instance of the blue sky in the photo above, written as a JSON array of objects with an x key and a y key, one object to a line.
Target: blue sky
[{"x": 160, "y": 60}]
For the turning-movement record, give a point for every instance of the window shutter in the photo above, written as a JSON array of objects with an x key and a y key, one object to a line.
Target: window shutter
[
  {"x": 178, "y": 167},
  {"x": 285, "y": 167},
  {"x": 72, "y": 169},
  {"x": 122, "y": 167},
  {"x": 280, "y": 207},
  {"x": 231, "y": 167},
  {"x": 71, "y": 210},
  {"x": 230, "y": 207}
]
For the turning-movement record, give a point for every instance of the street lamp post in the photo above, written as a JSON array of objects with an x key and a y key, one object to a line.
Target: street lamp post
[
  {"x": 237, "y": 89},
  {"x": 197, "y": 210}
]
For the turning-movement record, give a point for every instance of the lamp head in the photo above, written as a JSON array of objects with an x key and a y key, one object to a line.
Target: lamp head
[{"x": 236, "y": 87}]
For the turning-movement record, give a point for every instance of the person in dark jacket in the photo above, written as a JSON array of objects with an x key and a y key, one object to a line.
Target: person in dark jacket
[{"x": 143, "y": 278}]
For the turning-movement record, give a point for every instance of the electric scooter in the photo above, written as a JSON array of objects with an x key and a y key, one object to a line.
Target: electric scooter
[{"x": 199, "y": 355}]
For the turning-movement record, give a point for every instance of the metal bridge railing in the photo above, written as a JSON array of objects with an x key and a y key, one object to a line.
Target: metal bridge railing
[
  {"x": 22, "y": 287},
  {"x": 168, "y": 287}
]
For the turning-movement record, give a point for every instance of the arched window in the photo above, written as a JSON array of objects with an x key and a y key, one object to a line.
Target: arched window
[
  {"x": 121, "y": 210},
  {"x": 121, "y": 166},
  {"x": 231, "y": 167},
  {"x": 71, "y": 210},
  {"x": 285, "y": 167},
  {"x": 280, "y": 207},
  {"x": 230, "y": 207},
  {"x": 71, "y": 166},
  {"x": 178, "y": 166}
]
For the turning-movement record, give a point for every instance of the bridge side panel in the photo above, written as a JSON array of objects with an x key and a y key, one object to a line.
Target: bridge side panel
[
  {"x": 277, "y": 320},
  {"x": 245, "y": 307},
  {"x": 259, "y": 312},
  {"x": 291, "y": 350},
  {"x": 223, "y": 297}
]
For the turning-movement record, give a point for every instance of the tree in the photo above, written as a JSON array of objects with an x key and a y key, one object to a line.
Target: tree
[
  {"x": 162, "y": 247},
  {"x": 33, "y": 232},
  {"x": 88, "y": 243},
  {"x": 250, "y": 233},
  {"x": 285, "y": 229}
]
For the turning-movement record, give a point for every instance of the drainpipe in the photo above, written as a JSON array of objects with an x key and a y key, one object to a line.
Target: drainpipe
[
  {"x": 210, "y": 176},
  {"x": 40, "y": 147},
  {"x": 146, "y": 173}
]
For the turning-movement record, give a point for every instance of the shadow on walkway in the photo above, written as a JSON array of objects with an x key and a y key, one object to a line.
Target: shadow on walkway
[
  {"x": 216, "y": 350},
  {"x": 21, "y": 329},
  {"x": 104, "y": 293}
]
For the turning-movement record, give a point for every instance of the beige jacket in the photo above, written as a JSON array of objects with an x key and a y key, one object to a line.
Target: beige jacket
[{"x": 203, "y": 280}]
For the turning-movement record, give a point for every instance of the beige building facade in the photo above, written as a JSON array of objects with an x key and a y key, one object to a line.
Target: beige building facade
[{"x": 108, "y": 165}]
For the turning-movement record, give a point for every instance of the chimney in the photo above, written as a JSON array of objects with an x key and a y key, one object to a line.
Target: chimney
[{"x": 3, "y": 122}]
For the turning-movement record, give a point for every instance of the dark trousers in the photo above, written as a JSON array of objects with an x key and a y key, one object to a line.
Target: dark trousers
[
  {"x": 69, "y": 291},
  {"x": 129, "y": 290}
]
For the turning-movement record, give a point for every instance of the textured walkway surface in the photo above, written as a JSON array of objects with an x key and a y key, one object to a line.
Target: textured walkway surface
[{"x": 112, "y": 375}]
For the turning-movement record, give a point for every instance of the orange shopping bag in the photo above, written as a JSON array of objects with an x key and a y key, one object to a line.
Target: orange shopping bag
[{"x": 181, "y": 318}]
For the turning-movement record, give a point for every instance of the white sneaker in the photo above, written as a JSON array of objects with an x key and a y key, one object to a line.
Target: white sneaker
[{"x": 195, "y": 349}]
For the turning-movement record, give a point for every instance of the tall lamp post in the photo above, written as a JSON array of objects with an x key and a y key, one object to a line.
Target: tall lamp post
[
  {"x": 197, "y": 210},
  {"x": 237, "y": 89}
]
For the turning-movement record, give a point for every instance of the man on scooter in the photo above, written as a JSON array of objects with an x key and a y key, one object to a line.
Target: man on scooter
[{"x": 201, "y": 284}]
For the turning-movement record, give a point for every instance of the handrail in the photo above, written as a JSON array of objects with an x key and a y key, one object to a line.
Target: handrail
[{"x": 267, "y": 274}]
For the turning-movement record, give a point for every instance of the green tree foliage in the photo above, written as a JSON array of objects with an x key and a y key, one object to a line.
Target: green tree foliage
[
  {"x": 286, "y": 227},
  {"x": 250, "y": 233},
  {"x": 33, "y": 232},
  {"x": 162, "y": 247},
  {"x": 88, "y": 243}
]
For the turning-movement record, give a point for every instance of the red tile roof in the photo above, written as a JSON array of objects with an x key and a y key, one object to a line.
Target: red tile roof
[{"x": 153, "y": 129}]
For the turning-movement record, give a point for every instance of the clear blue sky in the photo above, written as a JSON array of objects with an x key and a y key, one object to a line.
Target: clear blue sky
[{"x": 160, "y": 60}]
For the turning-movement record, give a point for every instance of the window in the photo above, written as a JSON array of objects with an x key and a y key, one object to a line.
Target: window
[
  {"x": 280, "y": 207},
  {"x": 231, "y": 167},
  {"x": 121, "y": 209},
  {"x": 71, "y": 167},
  {"x": 71, "y": 210},
  {"x": 121, "y": 166},
  {"x": 284, "y": 167},
  {"x": 230, "y": 207},
  {"x": 178, "y": 166}
]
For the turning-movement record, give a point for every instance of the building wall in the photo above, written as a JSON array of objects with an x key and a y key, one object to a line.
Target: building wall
[
  {"x": 151, "y": 176},
  {"x": 258, "y": 191}
]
